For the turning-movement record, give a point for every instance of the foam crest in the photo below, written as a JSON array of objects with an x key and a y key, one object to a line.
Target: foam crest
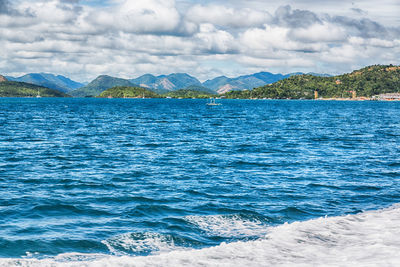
[
  {"x": 365, "y": 239},
  {"x": 228, "y": 225},
  {"x": 140, "y": 243}
]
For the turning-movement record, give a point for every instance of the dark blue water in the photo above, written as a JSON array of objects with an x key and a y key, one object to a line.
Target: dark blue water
[{"x": 134, "y": 177}]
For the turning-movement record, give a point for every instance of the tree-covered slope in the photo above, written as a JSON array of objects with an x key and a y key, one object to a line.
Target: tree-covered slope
[
  {"x": 224, "y": 84},
  {"x": 367, "y": 82},
  {"x": 128, "y": 92},
  {"x": 100, "y": 84},
  {"x": 200, "y": 89},
  {"x": 21, "y": 89},
  {"x": 57, "y": 82},
  {"x": 189, "y": 93}
]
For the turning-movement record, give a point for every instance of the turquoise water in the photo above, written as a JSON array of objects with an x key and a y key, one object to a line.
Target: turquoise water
[{"x": 145, "y": 177}]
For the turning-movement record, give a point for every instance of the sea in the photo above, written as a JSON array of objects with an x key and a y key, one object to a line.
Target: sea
[{"x": 174, "y": 182}]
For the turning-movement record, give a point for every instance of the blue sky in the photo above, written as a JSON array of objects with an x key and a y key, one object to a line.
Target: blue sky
[{"x": 86, "y": 38}]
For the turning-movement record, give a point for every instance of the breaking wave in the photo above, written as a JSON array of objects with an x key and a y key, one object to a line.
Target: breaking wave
[
  {"x": 228, "y": 225},
  {"x": 368, "y": 238}
]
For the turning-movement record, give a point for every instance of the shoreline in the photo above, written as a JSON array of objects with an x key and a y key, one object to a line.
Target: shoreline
[{"x": 222, "y": 98}]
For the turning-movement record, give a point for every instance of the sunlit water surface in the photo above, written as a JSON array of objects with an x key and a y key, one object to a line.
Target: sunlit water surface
[{"x": 175, "y": 182}]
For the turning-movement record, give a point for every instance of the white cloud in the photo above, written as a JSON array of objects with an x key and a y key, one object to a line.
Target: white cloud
[
  {"x": 225, "y": 16},
  {"x": 139, "y": 16},
  {"x": 52, "y": 12},
  {"x": 374, "y": 42},
  {"x": 130, "y": 38},
  {"x": 325, "y": 32},
  {"x": 212, "y": 40},
  {"x": 275, "y": 38}
]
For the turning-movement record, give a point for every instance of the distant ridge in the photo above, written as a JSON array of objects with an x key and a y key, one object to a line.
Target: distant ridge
[
  {"x": 160, "y": 84},
  {"x": 166, "y": 83},
  {"x": 220, "y": 85},
  {"x": 57, "y": 82},
  {"x": 100, "y": 84},
  {"x": 224, "y": 84}
]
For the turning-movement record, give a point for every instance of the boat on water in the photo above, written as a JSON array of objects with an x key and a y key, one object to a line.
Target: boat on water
[
  {"x": 38, "y": 94},
  {"x": 212, "y": 102}
]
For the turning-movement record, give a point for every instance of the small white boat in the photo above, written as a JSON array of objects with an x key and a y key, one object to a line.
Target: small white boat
[
  {"x": 212, "y": 102},
  {"x": 38, "y": 94}
]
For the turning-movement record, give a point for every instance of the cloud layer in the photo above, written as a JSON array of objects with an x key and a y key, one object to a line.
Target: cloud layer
[{"x": 83, "y": 39}]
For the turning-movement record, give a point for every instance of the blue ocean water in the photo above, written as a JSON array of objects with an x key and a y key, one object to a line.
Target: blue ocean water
[{"x": 142, "y": 177}]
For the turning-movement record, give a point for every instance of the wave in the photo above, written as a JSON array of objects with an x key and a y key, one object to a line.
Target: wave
[
  {"x": 141, "y": 243},
  {"x": 366, "y": 239},
  {"x": 229, "y": 225}
]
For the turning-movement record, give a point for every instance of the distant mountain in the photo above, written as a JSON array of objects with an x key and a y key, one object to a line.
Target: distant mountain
[
  {"x": 48, "y": 80},
  {"x": 166, "y": 83},
  {"x": 100, "y": 84},
  {"x": 159, "y": 84},
  {"x": 21, "y": 89},
  {"x": 224, "y": 84},
  {"x": 217, "y": 83}
]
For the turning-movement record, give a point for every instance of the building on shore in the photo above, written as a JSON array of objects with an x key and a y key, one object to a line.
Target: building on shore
[
  {"x": 389, "y": 97},
  {"x": 315, "y": 94}
]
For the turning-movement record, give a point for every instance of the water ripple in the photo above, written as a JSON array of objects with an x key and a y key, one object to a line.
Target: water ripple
[{"x": 138, "y": 177}]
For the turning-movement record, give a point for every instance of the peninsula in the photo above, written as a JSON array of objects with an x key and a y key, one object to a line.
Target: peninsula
[
  {"x": 367, "y": 83},
  {"x": 21, "y": 89}
]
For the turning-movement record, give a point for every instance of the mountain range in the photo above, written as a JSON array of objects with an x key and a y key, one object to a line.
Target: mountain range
[
  {"x": 224, "y": 84},
  {"x": 158, "y": 84},
  {"x": 166, "y": 83},
  {"x": 57, "y": 82},
  {"x": 367, "y": 82}
]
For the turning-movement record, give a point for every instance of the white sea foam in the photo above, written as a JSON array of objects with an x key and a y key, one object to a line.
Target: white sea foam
[
  {"x": 370, "y": 238},
  {"x": 140, "y": 243},
  {"x": 228, "y": 225}
]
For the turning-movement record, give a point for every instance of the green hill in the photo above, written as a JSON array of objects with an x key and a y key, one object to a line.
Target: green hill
[
  {"x": 188, "y": 93},
  {"x": 21, "y": 89},
  {"x": 56, "y": 82},
  {"x": 200, "y": 89},
  {"x": 128, "y": 92},
  {"x": 100, "y": 84},
  {"x": 367, "y": 82}
]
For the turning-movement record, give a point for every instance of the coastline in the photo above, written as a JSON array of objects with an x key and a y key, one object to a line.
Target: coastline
[{"x": 219, "y": 98}]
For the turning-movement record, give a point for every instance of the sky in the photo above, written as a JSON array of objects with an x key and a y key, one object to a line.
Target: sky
[{"x": 82, "y": 39}]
